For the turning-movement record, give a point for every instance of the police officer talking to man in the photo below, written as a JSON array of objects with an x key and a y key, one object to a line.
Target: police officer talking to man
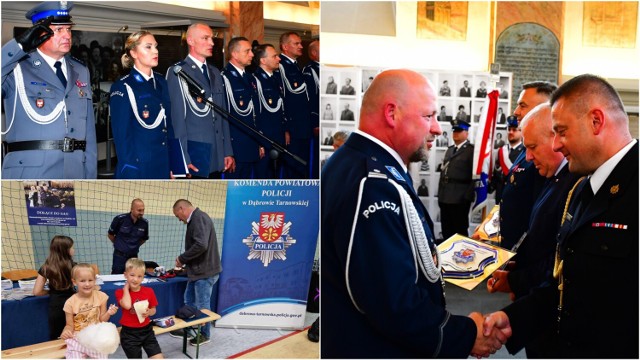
[
  {"x": 127, "y": 233},
  {"x": 382, "y": 285},
  {"x": 50, "y": 130},
  {"x": 455, "y": 189},
  {"x": 203, "y": 132}
]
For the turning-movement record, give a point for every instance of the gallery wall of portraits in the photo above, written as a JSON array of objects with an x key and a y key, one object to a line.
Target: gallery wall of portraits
[{"x": 460, "y": 95}]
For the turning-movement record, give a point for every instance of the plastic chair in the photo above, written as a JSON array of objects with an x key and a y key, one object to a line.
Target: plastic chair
[{"x": 15, "y": 275}]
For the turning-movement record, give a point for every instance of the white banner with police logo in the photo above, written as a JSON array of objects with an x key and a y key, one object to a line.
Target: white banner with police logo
[{"x": 270, "y": 238}]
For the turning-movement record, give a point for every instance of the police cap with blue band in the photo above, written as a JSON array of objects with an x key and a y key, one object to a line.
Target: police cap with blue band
[
  {"x": 458, "y": 125},
  {"x": 512, "y": 121},
  {"x": 58, "y": 10}
]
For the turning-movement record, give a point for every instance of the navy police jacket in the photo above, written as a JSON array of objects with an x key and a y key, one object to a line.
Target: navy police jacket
[
  {"x": 128, "y": 234},
  {"x": 203, "y": 132},
  {"x": 141, "y": 136},
  {"x": 270, "y": 107},
  {"x": 379, "y": 303},
  {"x": 521, "y": 189},
  {"x": 242, "y": 102},
  {"x": 599, "y": 249},
  {"x": 312, "y": 76},
  {"x": 43, "y": 95},
  {"x": 296, "y": 99}
]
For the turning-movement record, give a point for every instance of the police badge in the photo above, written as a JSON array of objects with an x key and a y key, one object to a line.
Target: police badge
[
  {"x": 39, "y": 103},
  {"x": 269, "y": 238}
]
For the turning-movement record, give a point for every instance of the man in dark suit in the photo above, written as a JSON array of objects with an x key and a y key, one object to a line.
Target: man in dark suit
[
  {"x": 201, "y": 257},
  {"x": 242, "y": 100},
  {"x": 203, "y": 132},
  {"x": 346, "y": 113},
  {"x": 465, "y": 90},
  {"x": 598, "y": 240},
  {"x": 522, "y": 183},
  {"x": 51, "y": 130},
  {"x": 377, "y": 301},
  {"x": 455, "y": 189},
  {"x": 299, "y": 127}
]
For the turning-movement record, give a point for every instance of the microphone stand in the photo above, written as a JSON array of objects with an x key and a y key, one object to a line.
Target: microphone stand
[{"x": 276, "y": 148}]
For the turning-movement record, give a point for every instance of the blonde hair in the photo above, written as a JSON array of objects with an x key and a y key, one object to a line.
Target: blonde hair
[
  {"x": 78, "y": 267},
  {"x": 134, "y": 263},
  {"x": 132, "y": 41}
]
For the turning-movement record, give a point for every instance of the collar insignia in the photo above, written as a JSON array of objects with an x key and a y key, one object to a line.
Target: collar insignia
[{"x": 395, "y": 173}]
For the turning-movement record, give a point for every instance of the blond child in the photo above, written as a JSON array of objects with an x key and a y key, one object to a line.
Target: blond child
[
  {"x": 136, "y": 335},
  {"x": 87, "y": 306}
]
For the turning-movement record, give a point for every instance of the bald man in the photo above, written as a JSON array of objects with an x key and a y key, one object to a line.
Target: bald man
[
  {"x": 127, "y": 233},
  {"x": 382, "y": 297},
  {"x": 598, "y": 239},
  {"x": 203, "y": 132}
]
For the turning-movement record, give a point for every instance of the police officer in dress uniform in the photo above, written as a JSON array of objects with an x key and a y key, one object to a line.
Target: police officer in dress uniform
[
  {"x": 242, "y": 101},
  {"x": 506, "y": 155},
  {"x": 141, "y": 113},
  {"x": 312, "y": 77},
  {"x": 127, "y": 233},
  {"x": 382, "y": 286},
  {"x": 203, "y": 132},
  {"x": 533, "y": 264},
  {"x": 299, "y": 126},
  {"x": 270, "y": 107},
  {"x": 455, "y": 189},
  {"x": 522, "y": 183},
  {"x": 50, "y": 130},
  {"x": 593, "y": 312}
]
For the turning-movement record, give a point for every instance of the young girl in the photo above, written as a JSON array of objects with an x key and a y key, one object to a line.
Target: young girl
[
  {"x": 56, "y": 269},
  {"x": 88, "y": 306}
]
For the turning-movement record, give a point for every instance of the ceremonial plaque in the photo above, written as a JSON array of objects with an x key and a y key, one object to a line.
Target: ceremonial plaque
[
  {"x": 489, "y": 229},
  {"x": 467, "y": 262}
]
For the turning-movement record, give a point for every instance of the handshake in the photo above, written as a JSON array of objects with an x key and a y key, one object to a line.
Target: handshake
[{"x": 493, "y": 331}]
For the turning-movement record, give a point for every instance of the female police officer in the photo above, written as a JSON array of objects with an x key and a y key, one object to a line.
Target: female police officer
[{"x": 141, "y": 113}]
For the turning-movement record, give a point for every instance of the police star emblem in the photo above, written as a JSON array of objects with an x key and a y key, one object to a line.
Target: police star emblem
[{"x": 269, "y": 238}]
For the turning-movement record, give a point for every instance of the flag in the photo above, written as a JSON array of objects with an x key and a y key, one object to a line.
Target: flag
[{"x": 482, "y": 151}]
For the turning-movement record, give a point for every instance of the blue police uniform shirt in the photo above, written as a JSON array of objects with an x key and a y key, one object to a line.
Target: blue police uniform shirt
[
  {"x": 43, "y": 97},
  {"x": 128, "y": 234},
  {"x": 242, "y": 102},
  {"x": 371, "y": 282},
  {"x": 142, "y": 138},
  {"x": 203, "y": 131},
  {"x": 270, "y": 108},
  {"x": 296, "y": 99},
  {"x": 312, "y": 75}
]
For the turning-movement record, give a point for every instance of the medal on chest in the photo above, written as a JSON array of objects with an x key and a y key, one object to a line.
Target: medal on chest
[
  {"x": 39, "y": 103},
  {"x": 145, "y": 113}
]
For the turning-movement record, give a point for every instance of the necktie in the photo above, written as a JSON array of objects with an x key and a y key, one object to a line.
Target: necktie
[
  {"x": 205, "y": 73},
  {"x": 60, "y": 74},
  {"x": 455, "y": 149},
  {"x": 585, "y": 198}
]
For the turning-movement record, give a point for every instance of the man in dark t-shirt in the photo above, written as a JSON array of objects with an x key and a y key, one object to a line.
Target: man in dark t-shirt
[{"x": 127, "y": 233}]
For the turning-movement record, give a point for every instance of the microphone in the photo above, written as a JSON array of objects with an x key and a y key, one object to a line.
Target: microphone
[{"x": 194, "y": 86}]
